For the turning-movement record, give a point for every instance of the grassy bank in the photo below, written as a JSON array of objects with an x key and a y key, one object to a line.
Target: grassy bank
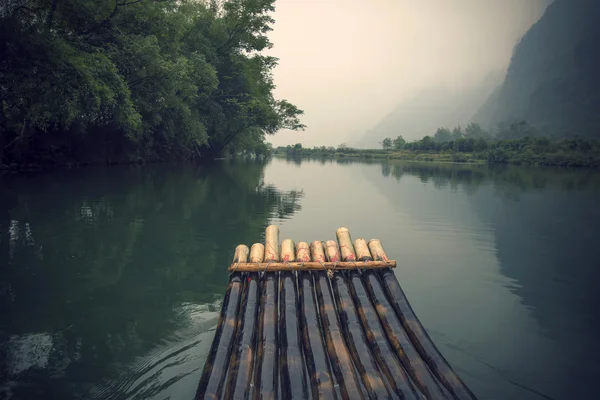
[
  {"x": 575, "y": 152},
  {"x": 394, "y": 155}
]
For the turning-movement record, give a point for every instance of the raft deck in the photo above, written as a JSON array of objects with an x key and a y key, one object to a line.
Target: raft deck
[{"x": 327, "y": 320}]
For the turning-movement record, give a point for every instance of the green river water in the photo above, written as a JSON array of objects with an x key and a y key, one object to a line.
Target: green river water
[{"x": 111, "y": 278}]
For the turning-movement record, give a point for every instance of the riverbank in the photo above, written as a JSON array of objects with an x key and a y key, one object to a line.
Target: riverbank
[
  {"x": 46, "y": 167},
  {"x": 526, "y": 151},
  {"x": 393, "y": 155},
  {"x": 50, "y": 166}
]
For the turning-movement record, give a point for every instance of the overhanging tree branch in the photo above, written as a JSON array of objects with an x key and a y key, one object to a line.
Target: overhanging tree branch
[
  {"x": 237, "y": 29},
  {"x": 25, "y": 8},
  {"x": 111, "y": 16}
]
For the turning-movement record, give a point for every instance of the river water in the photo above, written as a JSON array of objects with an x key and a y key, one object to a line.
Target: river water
[{"x": 111, "y": 278}]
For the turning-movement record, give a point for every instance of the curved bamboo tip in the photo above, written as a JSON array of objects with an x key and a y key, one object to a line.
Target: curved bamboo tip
[
  {"x": 287, "y": 250},
  {"x": 332, "y": 251},
  {"x": 302, "y": 252},
  {"x": 345, "y": 241},
  {"x": 377, "y": 250},
  {"x": 257, "y": 253},
  {"x": 272, "y": 243},
  {"x": 362, "y": 250},
  {"x": 241, "y": 254},
  {"x": 317, "y": 251},
  {"x": 341, "y": 230},
  {"x": 273, "y": 228}
]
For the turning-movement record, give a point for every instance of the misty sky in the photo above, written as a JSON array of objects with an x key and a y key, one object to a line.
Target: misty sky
[{"x": 347, "y": 63}]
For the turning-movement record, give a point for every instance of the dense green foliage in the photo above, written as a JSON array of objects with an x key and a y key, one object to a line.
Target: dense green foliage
[
  {"x": 552, "y": 80},
  {"x": 342, "y": 150},
  {"x": 517, "y": 143},
  {"x": 84, "y": 81},
  {"x": 386, "y": 143},
  {"x": 537, "y": 151}
]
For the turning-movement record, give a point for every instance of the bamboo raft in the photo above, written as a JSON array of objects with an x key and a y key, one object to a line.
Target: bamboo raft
[{"x": 327, "y": 320}]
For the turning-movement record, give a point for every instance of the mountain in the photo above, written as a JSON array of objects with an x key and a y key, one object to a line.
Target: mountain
[
  {"x": 553, "y": 78},
  {"x": 431, "y": 109}
]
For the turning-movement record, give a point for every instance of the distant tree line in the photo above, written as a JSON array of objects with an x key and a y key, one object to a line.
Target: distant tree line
[
  {"x": 88, "y": 81},
  {"x": 341, "y": 150},
  {"x": 518, "y": 143},
  {"x": 515, "y": 143},
  {"x": 472, "y": 138}
]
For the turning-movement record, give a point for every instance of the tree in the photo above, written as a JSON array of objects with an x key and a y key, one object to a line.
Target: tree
[
  {"x": 399, "y": 142},
  {"x": 457, "y": 133},
  {"x": 464, "y": 145},
  {"x": 480, "y": 144},
  {"x": 386, "y": 144},
  {"x": 343, "y": 147},
  {"x": 427, "y": 143},
  {"x": 516, "y": 130},
  {"x": 442, "y": 135},
  {"x": 475, "y": 131},
  {"x": 137, "y": 79}
]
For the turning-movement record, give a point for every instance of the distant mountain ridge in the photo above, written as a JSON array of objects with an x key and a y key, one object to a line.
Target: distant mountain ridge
[
  {"x": 432, "y": 108},
  {"x": 553, "y": 80}
]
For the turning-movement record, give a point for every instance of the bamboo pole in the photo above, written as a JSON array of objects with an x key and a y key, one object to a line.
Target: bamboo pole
[
  {"x": 302, "y": 252},
  {"x": 344, "y": 371},
  {"x": 347, "y": 250},
  {"x": 362, "y": 250},
  {"x": 266, "y": 377},
  {"x": 287, "y": 250},
  {"x": 397, "y": 340},
  {"x": 376, "y": 387},
  {"x": 257, "y": 253},
  {"x": 317, "y": 362},
  {"x": 421, "y": 340},
  {"x": 317, "y": 251},
  {"x": 215, "y": 368},
  {"x": 392, "y": 367},
  {"x": 332, "y": 251},
  {"x": 272, "y": 243},
  {"x": 415, "y": 331},
  {"x": 242, "y": 363},
  {"x": 241, "y": 254},
  {"x": 313, "y": 266},
  {"x": 294, "y": 383},
  {"x": 377, "y": 250}
]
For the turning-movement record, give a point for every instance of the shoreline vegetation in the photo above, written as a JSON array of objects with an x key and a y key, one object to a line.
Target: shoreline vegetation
[
  {"x": 135, "y": 81},
  {"x": 91, "y": 83},
  {"x": 518, "y": 144}
]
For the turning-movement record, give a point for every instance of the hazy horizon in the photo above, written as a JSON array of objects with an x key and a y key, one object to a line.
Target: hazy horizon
[{"x": 348, "y": 64}]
